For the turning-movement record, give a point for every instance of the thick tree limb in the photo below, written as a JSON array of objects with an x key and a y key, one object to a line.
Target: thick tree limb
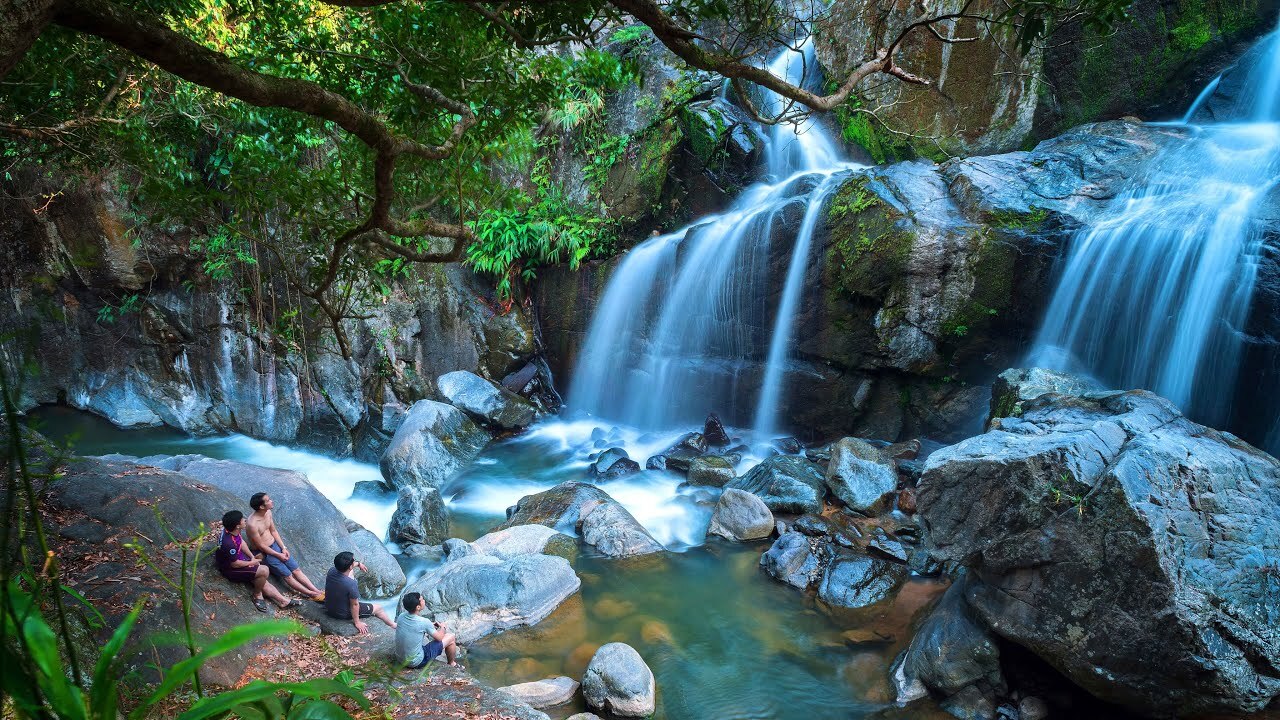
[{"x": 21, "y": 22}]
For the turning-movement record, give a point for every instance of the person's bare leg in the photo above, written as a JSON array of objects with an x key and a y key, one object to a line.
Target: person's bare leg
[
  {"x": 450, "y": 648},
  {"x": 274, "y": 595},
  {"x": 309, "y": 587},
  {"x": 381, "y": 614},
  {"x": 300, "y": 587},
  {"x": 260, "y": 581}
]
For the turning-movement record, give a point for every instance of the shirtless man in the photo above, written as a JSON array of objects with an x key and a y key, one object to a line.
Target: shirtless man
[{"x": 266, "y": 539}]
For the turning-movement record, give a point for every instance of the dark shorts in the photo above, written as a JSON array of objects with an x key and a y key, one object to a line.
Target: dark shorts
[
  {"x": 240, "y": 575},
  {"x": 366, "y": 610},
  {"x": 279, "y": 568},
  {"x": 430, "y": 652}
]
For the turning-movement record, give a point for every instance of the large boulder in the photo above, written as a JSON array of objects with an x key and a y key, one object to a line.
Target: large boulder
[
  {"x": 420, "y": 517},
  {"x": 433, "y": 442},
  {"x": 786, "y": 483},
  {"x": 569, "y": 507},
  {"x": 740, "y": 516},
  {"x": 484, "y": 400},
  {"x": 313, "y": 529},
  {"x": 544, "y": 693},
  {"x": 523, "y": 540},
  {"x": 619, "y": 682},
  {"x": 482, "y": 594},
  {"x": 954, "y": 658},
  {"x": 1126, "y": 545},
  {"x": 861, "y": 476}
]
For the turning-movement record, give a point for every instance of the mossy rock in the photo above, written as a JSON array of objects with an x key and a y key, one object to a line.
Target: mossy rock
[{"x": 869, "y": 242}]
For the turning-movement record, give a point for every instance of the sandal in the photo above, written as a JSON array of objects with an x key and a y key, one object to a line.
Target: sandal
[
  {"x": 260, "y": 604},
  {"x": 318, "y": 598},
  {"x": 293, "y": 603}
]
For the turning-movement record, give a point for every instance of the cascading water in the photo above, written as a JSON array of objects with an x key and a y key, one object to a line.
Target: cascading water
[
  {"x": 1157, "y": 293},
  {"x": 682, "y": 327}
]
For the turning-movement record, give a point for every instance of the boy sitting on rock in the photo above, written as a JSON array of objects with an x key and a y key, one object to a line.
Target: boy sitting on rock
[
  {"x": 412, "y": 630},
  {"x": 342, "y": 594}
]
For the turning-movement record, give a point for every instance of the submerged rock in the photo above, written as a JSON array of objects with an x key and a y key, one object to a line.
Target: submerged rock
[
  {"x": 481, "y": 594},
  {"x": 420, "y": 517},
  {"x": 741, "y": 516},
  {"x": 544, "y": 693},
  {"x": 861, "y": 476},
  {"x": 1122, "y": 543},
  {"x": 619, "y": 682},
  {"x": 786, "y": 483},
  {"x": 711, "y": 470},
  {"x": 522, "y": 540},
  {"x": 485, "y": 401},
  {"x": 433, "y": 443},
  {"x": 569, "y": 507}
]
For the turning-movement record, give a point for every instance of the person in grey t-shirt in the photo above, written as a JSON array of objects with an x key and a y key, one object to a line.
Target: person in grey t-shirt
[
  {"x": 412, "y": 629},
  {"x": 342, "y": 594}
]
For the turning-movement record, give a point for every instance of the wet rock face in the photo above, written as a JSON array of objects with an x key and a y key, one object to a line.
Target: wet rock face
[
  {"x": 485, "y": 401},
  {"x": 433, "y": 443},
  {"x": 786, "y": 483},
  {"x": 202, "y": 359},
  {"x": 861, "y": 476},
  {"x": 965, "y": 112},
  {"x": 1123, "y": 544},
  {"x": 853, "y": 580},
  {"x": 420, "y": 517}
]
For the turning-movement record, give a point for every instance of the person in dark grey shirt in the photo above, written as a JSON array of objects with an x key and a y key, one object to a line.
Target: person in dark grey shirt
[{"x": 342, "y": 594}]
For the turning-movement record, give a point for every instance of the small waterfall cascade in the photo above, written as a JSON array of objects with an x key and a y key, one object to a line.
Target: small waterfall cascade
[
  {"x": 687, "y": 324},
  {"x": 1157, "y": 293}
]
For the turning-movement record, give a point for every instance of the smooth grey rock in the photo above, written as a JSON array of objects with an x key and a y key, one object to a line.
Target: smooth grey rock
[
  {"x": 480, "y": 594},
  {"x": 853, "y": 580},
  {"x": 487, "y": 402},
  {"x": 794, "y": 560},
  {"x": 1123, "y": 544},
  {"x": 614, "y": 532},
  {"x": 513, "y": 541},
  {"x": 312, "y": 527},
  {"x": 544, "y": 693},
  {"x": 786, "y": 483},
  {"x": 740, "y": 516},
  {"x": 433, "y": 443},
  {"x": 456, "y": 549},
  {"x": 420, "y": 517},
  {"x": 583, "y": 716},
  {"x": 569, "y": 507},
  {"x": 370, "y": 490},
  {"x": 711, "y": 470},
  {"x": 861, "y": 476},
  {"x": 385, "y": 577},
  {"x": 618, "y": 681}
]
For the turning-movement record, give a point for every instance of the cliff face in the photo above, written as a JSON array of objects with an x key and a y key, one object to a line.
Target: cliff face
[
  {"x": 989, "y": 97},
  {"x": 121, "y": 320}
]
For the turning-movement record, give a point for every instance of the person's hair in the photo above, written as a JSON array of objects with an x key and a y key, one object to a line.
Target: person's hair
[
  {"x": 231, "y": 520},
  {"x": 411, "y": 601},
  {"x": 344, "y": 560},
  {"x": 257, "y": 501}
]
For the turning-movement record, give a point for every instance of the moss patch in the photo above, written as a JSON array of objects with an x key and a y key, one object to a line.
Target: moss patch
[
  {"x": 868, "y": 250},
  {"x": 993, "y": 272}
]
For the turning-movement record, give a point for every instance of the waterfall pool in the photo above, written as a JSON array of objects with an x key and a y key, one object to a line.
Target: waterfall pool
[{"x": 722, "y": 638}]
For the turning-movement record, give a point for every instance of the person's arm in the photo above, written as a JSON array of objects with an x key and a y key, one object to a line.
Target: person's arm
[
  {"x": 257, "y": 536},
  {"x": 355, "y": 616},
  {"x": 438, "y": 630},
  {"x": 284, "y": 551}
]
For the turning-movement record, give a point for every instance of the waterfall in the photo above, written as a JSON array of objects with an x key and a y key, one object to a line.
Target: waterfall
[
  {"x": 683, "y": 327},
  {"x": 1156, "y": 294}
]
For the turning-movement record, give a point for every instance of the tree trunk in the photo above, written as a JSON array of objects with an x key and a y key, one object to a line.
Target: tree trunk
[{"x": 21, "y": 22}]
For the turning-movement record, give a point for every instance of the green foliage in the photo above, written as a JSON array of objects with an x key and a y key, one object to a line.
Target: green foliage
[
  {"x": 631, "y": 34},
  {"x": 1031, "y": 220},
  {"x": 1038, "y": 19},
  {"x": 108, "y": 314}
]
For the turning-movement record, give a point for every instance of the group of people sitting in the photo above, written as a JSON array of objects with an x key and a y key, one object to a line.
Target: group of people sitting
[{"x": 251, "y": 550}]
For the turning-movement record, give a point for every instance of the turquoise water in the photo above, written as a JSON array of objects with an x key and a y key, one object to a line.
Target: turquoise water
[{"x": 723, "y": 639}]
